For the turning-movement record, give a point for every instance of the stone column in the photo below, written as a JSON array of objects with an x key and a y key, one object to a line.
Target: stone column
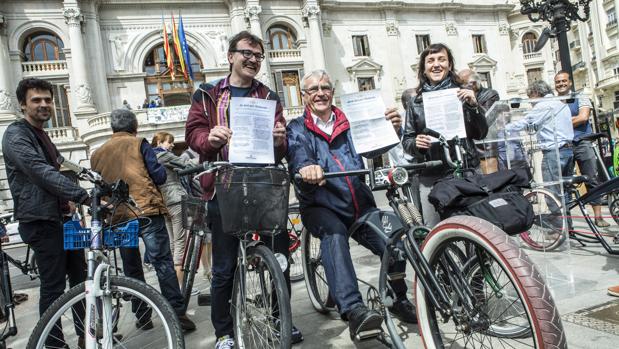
[
  {"x": 7, "y": 109},
  {"x": 311, "y": 11},
  {"x": 252, "y": 13},
  {"x": 82, "y": 91}
]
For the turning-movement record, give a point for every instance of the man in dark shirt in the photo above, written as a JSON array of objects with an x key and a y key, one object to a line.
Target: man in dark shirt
[
  {"x": 133, "y": 160},
  {"x": 39, "y": 194}
]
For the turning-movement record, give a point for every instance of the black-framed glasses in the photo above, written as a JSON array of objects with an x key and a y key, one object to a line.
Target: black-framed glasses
[
  {"x": 249, "y": 53},
  {"x": 327, "y": 89}
]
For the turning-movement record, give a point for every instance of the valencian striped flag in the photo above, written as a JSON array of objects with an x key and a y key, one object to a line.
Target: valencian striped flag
[
  {"x": 184, "y": 47},
  {"x": 166, "y": 49},
  {"x": 177, "y": 47}
]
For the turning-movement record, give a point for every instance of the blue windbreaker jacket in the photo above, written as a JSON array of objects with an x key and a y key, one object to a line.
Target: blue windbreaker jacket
[{"x": 348, "y": 197}]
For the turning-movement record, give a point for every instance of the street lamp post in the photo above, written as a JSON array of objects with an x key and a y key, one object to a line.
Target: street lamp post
[{"x": 559, "y": 13}]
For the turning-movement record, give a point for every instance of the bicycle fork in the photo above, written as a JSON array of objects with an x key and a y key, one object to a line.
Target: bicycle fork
[{"x": 99, "y": 316}]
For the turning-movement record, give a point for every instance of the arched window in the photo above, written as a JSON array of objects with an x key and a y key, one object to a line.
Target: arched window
[
  {"x": 281, "y": 38},
  {"x": 528, "y": 42},
  {"x": 159, "y": 82},
  {"x": 43, "y": 46}
]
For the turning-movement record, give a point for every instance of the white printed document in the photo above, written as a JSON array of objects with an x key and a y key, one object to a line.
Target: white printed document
[
  {"x": 369, "y": 128},
  {"x": 443, "y": 113},
  {"x": 251, "y": 122}
]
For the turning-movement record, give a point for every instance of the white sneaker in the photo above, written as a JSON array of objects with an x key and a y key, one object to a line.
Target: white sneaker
[{"x": 225, "y": 342}]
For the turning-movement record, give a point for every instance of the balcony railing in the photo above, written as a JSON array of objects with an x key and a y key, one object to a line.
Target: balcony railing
[
  {"x": 284, "y": 55},
  {"x": 611, "y": 24},
  {"x": 62, "y": 134},
  {"x": 40, "y": 68},
  {"x": 578, "y": 66},
  {"x": 292, "y": 112},
  {"x": 611, "y": 81},
  {"x": 532, "y": 56},
  {"x": 575, "y": 45}
]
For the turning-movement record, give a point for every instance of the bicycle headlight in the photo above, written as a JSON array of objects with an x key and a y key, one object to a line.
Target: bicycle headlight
[{"x": 398, "y": 176}]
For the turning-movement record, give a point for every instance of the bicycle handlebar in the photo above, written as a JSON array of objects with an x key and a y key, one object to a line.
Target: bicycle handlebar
[
  {"x": 82, "y": 172},
  {"x": 205, "y": 166},
  {"x": 409, "y": 167}
]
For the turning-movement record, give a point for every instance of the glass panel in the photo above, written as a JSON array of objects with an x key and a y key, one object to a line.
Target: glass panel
[
  {"x": 38, "y": 54},
  {"x": 50, "y": 51},
  {"x": 150, "y": 70},
  {"x": 152, "y": 89}
]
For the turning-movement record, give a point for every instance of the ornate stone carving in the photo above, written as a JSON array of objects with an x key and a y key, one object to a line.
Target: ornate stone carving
[
  {"x": 326, "y": 28},
  {"x": 252, "y": 12},
  {"x": 72, "y": 16},
  {"x": 503, "y": 28},
  {"x": 392, "y": 29},
  {"x": 223, "y": 49},
  {"x": 118, "y": 50},
  {"x": 311, "y": 11},
  {"x": 84, "y": 94},
  {"x": 5, "y": 101},
  {"x": 2, "y": 25},
  {"x": 450, "y": 28}
]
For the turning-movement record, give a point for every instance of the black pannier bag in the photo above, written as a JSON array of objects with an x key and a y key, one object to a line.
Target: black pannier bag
[{"x": 496, "y": 197}]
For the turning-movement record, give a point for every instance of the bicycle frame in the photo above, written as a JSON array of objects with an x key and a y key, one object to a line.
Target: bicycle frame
[{"x": 8, "y": 294}]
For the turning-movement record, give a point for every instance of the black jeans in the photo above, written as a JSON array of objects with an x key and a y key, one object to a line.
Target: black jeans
[
  {"x": 225, "y": 248},
  {"x": 157, "y": 243},
  {"x": 55, "y": 264}
]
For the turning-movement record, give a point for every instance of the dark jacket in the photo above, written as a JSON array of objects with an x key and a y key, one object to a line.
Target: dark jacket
[
  {"x": 486, "y": 97},
  {"x": 37, "y": 187},
  {"x": 476, "y": 128},
  {"x": 203, "y": 116},
  {"x": 348, "y": 197}
]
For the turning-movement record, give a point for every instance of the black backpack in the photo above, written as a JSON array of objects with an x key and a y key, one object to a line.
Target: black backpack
[{"x": 496, "y": 197}]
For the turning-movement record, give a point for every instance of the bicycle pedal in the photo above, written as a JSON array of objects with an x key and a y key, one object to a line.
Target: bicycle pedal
[
  {"x": 204, "y": 299},
  {"x": 369, "y": 334}
]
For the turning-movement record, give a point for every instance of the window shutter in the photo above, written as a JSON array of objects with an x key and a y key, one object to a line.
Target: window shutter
[{"x": 279, "y": 84}]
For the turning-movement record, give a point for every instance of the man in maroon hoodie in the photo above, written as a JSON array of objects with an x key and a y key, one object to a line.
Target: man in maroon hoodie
[{"x": 208, "y": 133}]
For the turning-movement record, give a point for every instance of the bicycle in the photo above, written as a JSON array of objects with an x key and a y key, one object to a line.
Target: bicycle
[
  {"x": 548, "y": 228},
  {"x": 254, "y": 200},
  {"x": 6, "y": 298},
  {"x": 28, "y": 266},
  {"x": 474, "y": 287},
  {"x": 94, "y": 307}
]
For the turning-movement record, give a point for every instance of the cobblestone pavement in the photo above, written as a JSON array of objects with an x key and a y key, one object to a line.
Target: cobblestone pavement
[{"x": 578, "y": 277}]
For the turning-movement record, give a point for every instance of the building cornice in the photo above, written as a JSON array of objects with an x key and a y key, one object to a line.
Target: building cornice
[{"x": 399, "y": 5}]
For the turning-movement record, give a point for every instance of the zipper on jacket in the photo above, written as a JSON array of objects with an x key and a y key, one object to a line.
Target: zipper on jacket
[{"x": 349, "y": 183}]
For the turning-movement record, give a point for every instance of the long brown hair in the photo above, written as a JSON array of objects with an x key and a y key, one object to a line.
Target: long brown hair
[
  {"x": 161, "y": 137},
  {"x": 435, "y": 48}
]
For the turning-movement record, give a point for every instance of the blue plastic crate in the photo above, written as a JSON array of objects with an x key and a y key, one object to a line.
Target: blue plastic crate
[
  {"x": 77, "y": 238},
  {"x": 123, "y": 236}
]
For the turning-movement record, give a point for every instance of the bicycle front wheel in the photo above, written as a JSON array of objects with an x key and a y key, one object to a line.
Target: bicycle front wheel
[
  {"x": 136, "y": 307},
  {"x": 510, "y": 304},
  {"x": 315, "y": 276},
  {"x": 190, "y": 265},
  {"x": 260, "y": 303},
  {"x": 548, "y": 229}
]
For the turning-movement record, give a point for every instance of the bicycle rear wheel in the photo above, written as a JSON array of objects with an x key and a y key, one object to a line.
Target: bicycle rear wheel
[
  {"x": 548, "y": 229},
  {"x": 61, "y": 325},
  {"x": 191, "y": 260},
  {"x": 295, "y": 231},
  {"x": 260, "y": 303},
  {"x": 511, "y": 305},
  {"x": 315, "y": 276}
]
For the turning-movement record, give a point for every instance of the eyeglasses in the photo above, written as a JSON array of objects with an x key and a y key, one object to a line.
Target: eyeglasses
[
  {"x": 326, "y": 89},
  {"x": 249, "y": 53}
]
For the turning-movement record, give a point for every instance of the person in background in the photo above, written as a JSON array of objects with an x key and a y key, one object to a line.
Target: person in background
[
  {"x": 126, "y": 105},
  {"x": 172, "y": 192},
  {"x": 130, "y": 158},
  {"x": 152, "y": 104},
  {"x": 584, "y": 154},
  {"x": 145, "y": 104},
  {"x": 486, "y": 97}
]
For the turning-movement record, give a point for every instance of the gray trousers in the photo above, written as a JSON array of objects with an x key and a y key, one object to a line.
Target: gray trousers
[{"x": 174, "y": 224}]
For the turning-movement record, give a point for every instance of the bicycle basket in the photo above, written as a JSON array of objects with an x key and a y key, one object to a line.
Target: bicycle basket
[
  {"x": 253, "y": 199},
  {"x": 193, "y": 211},
  {"x": 77, "y": 238}
]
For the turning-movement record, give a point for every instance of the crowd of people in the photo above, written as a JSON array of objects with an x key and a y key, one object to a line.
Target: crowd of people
[{"x": 319, "y": 140}]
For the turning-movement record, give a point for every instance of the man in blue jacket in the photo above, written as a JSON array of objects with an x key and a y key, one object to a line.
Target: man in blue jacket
[{"x": 321, "y": 139}]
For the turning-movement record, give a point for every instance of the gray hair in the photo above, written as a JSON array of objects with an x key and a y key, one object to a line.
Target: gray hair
[
  {"x": 318, "y": 73},
  {"x": 123, "y": 120},
  {"x": 475, "y": 77},
  {"x": 538, "y": 88}
]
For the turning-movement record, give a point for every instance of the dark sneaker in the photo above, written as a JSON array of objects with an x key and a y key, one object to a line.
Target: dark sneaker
[
  {"x": 364, "y": 323},
  {"x": 186, "y": 323},
  {"x": 297, "y": 336},
  {"x": 144, "y": 324},
  {"x": 404, "y": 310}
]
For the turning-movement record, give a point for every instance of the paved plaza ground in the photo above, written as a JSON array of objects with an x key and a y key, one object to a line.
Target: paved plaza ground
[{"x": 578, "y": 277}]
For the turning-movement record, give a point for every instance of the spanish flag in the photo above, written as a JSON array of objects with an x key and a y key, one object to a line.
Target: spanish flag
[
  {"x": 166, "y": 48},
  {"x": 177, "y": 47}
]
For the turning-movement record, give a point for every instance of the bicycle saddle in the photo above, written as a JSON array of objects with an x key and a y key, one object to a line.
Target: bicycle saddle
[
  {"x": 594, "y": 136},
  {"x": 574, "y": 180}
]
